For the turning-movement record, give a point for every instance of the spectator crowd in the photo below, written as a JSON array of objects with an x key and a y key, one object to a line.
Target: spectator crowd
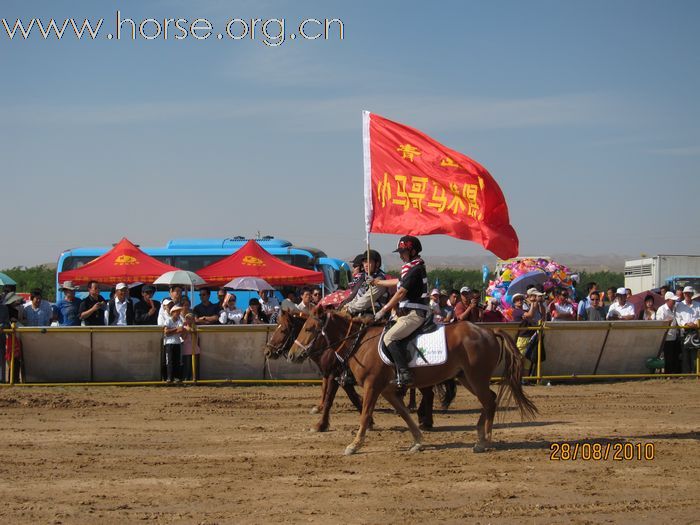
[{"x": 180, "y": 321}]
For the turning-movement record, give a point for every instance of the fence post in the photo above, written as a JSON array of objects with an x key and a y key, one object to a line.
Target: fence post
[
  {"x": 195, "y": 342},
  {"x": 540, "y": 336},
  {"x": 13, "y": 340}
]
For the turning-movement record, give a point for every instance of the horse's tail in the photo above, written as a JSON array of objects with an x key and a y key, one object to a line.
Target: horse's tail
[{"x": 511, "y": 384}]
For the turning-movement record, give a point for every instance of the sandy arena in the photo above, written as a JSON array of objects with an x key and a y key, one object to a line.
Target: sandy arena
[{"x": 245, "y": 455}]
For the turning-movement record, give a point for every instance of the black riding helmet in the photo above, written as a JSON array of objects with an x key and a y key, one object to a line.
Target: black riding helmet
[
  {"x": 373, "y": 256},
  {"x": 408, "y": 242},
  {"x": 357, "y": 261}
]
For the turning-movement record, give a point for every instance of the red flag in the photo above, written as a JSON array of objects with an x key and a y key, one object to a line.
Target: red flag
[{"x": 415, "y": 185}]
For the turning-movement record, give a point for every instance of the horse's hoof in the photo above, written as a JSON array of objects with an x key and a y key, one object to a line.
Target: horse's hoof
[
  {"x": 349, "y": 450},
  {"x": 479, "y": 448},
  {"x": 425, "y": 426},
  {"x": 314, "y": 410},
  {"x": 319, "y": 429},
  {"x": 417, "y": 447}
]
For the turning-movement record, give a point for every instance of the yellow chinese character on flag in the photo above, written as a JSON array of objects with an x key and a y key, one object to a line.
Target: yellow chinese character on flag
[
  {"x": 401, "y": 191},
  {"x": 447, "y": 162},
  {"x": 457, "y": 204},
  {"x": 439, "y": 201},
  {"x": 408, "y": 151},
  {"x": 471, "y": 192},
  {"x": 417, "y": 193},
  {"x": 384, "y": 190}
]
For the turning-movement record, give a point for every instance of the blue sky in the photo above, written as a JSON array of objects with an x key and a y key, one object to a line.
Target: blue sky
[{"x": 586, "y": 113}]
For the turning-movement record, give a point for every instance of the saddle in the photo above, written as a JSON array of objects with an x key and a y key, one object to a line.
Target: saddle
[{"x": 428, "y": 327}]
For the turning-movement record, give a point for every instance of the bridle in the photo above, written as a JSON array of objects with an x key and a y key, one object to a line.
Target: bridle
[
  {"x": 308, "y": 351},
  {"x": 286, "y": 344}
]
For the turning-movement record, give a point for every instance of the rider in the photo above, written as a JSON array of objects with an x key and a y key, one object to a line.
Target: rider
[
  {"x": 364, "y": 293},
  {"x": 412, "y": 299}
]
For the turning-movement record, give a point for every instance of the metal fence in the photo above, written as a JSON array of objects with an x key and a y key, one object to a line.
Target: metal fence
[{"x": 133, "y": 355}]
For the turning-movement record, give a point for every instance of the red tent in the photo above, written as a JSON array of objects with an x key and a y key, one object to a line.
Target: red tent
[
  {"x": 125, "y": 263},
  {"x": 251, "y": 260}
]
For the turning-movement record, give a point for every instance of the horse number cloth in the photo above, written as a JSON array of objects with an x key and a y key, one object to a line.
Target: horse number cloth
[{"x": 433, "y": 346}]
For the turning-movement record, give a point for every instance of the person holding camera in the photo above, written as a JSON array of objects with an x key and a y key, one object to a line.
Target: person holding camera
[
  {"x": 92, "y": 308},
  {"x": 468, "y": 309}
]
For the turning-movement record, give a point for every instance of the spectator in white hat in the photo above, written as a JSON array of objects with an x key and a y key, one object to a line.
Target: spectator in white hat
[
  {"x": 688, "y": 316},
  {"x": 672, "y": 343},
  {"x": 621, "y": 310},
  {"x": 120, "y": 310},
  {"x": 435, "y": 301},
  {"x": 688, "y": 311},
  {"x": 468, "y": 307}
]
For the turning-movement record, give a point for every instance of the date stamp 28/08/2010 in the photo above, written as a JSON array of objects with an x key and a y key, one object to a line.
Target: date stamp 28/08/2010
[{"x": 594, "y": 451}]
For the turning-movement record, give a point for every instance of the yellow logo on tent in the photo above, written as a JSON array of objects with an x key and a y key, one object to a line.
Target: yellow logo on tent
[
  {"x": 249, "y": 260},
  {"x": 123, "y": 260}
]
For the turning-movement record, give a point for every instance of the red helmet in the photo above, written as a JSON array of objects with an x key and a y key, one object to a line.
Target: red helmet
[{"x": 408, "y": 242}]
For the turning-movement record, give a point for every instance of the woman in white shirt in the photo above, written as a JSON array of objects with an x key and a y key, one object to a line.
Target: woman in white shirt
[{"x": 230, "y": 314}]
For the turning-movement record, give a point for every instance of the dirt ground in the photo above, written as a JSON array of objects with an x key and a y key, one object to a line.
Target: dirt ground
[{"x": 245, "y": 455}]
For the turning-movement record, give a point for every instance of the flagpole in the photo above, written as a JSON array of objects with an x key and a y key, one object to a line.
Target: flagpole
[
  {"x": 374, "y": 310},
  {"x": 367, "y": 165}
]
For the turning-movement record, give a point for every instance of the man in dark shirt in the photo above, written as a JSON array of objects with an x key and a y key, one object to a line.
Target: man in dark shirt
[
  {"x": 206, "y": 312},
  {"x": 146, "y": 310},
  {"x": 221, "y": 295},
  {"x": 91, "y": 310}
]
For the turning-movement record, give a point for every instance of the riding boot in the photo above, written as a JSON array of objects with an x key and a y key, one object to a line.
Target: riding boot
[{"x": 404, "y": 376}]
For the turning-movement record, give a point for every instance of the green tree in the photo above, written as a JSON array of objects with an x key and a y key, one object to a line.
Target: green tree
[
  {"x": 604, "y": 279},
  {"x": 451, "y": 278},
  {"x": 32, "y": 277}
]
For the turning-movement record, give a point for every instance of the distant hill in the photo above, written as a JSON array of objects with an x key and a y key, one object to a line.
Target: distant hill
[{"x": 589, "y": 263}]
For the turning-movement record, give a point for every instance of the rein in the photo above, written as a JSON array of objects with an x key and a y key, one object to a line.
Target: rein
[{"x": 309, "y": 351}]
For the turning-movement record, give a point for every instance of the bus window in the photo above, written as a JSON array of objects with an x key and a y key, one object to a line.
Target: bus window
[{"x": 73, "y": 262}]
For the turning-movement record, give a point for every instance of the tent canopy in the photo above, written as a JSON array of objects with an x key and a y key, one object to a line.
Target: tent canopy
[
  {"x": 125, "y": 263},
  {"x": 252, "y": 260}
]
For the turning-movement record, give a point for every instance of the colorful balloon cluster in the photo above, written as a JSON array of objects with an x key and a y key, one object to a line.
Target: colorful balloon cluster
[{"x": 557, "y": 274}]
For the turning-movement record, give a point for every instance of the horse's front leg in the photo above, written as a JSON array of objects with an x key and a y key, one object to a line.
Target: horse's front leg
[
  {"x": 331, "y": 389},
  {"x": 368, "y": 404},
  {"x": 356, "y": 400},
  {"x": 324, "y": 386}
]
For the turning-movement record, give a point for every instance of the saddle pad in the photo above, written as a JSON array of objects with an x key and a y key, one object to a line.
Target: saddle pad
[{"x": 432, "y": 345}]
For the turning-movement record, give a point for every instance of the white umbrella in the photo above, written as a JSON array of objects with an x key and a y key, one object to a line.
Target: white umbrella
[
  {"x": 249, "y": 283},
  {"x": 182, "y": 278}
]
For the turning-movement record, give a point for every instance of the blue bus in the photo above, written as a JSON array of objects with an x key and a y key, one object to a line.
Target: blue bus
[{"x": 194, "y": 254}]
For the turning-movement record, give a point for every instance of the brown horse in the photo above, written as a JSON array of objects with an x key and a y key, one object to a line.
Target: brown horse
[
  {"x": 279, "y": 344},
  {"x": 472, "y": 356},
  {"x": 281, "y": 341}
]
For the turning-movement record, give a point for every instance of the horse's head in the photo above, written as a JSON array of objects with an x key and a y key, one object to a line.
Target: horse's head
[
  {"x": 285, "y": 333},
  {"x": 311, "y": 336}
]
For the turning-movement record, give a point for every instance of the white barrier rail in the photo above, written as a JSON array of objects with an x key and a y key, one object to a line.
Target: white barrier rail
[{"x": 129, "y": 355}]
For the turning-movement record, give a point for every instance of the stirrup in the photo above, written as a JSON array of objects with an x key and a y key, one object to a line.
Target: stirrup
[
  {"x": 404, "y": 378},
  {"x": 346, "y": 378}
]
